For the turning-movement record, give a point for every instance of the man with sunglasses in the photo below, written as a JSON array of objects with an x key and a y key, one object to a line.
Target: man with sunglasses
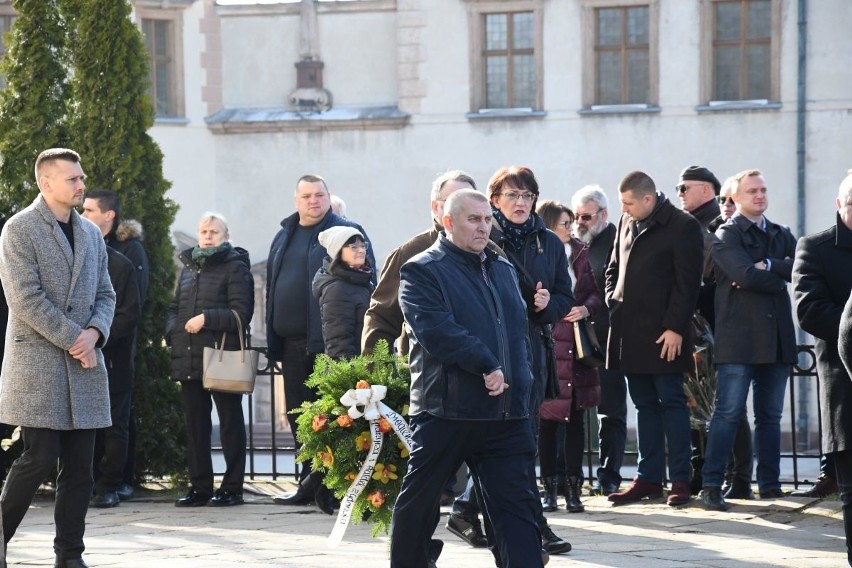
[{"x": 592, "y": 226}]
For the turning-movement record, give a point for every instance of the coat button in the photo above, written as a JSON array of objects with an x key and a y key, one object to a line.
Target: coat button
[{"x": 70, "y": 308}]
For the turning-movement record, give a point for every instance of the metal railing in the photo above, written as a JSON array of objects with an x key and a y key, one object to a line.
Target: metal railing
[{"x": 277, "y": 442}]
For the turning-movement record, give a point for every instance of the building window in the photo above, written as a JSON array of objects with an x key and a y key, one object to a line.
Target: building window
[
  {"x": 159, "y": 39},
  {"x": 506, "y": 69},
  {"x": 622, "y": 55},
  {"x": 620, "y": 61},
  {"x": 742, "y": 50},
  {"x": 6, "y": 21},
  {"x": 509, "y": 60},
  {"x": 163, "y": 31}
]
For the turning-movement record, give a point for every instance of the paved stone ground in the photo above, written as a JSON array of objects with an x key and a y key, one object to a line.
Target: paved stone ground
[{"x": 150, "y": 531}]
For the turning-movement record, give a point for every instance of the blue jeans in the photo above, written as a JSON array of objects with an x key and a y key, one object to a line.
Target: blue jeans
[
  {"x": 662, "y": 420},
  {"x": 769, "y": 382}
]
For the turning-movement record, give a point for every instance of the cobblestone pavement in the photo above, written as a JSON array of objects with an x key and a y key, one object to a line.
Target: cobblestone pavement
[{"x": 150, "y": 531}]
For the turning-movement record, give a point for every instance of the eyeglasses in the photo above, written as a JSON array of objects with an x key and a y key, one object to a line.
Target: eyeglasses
[
  {"x": 725, "y": 200},
  {"x": 514, "y": 196},
  {"x": 683, "y": 188},
  {"x": 564, "y": 224},
  {"x": 358, "y": 245},
  {"x": 586, "y": 217}
]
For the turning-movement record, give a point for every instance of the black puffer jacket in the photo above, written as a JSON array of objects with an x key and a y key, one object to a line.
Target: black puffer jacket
[
  {"x": 344, "y": 296},
  {"x": 222, "y": 284}
]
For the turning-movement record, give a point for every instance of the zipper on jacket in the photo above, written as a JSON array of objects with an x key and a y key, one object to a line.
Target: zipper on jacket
[{"x": 505, "y": 359}]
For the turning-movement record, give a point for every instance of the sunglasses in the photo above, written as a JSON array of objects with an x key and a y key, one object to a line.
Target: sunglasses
[
  {"x": 586, "y": 217},
  {"x": 725, "y": 200}
]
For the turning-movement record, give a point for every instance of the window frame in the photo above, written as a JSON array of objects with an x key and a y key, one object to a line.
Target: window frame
[
  {"x": 177, "y": 97},
  {"x": 477, "y": 10},
  {"x": 708, "y": 67},
  {"x": 590, "y": 64},
  {"x": 6, "y": 12}
]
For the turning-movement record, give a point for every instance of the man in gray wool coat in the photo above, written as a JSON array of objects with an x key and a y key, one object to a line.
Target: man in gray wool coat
[{"x": 53, "y": 264}]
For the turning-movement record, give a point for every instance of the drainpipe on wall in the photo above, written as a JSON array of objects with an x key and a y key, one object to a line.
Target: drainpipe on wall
[{"x": 805, "y": 386}]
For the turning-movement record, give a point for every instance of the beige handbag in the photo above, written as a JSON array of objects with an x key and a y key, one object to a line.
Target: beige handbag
[{"x": 230, "y": 371}]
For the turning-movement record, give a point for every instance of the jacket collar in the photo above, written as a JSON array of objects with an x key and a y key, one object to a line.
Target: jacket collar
[{"x": 844, "y": 235}]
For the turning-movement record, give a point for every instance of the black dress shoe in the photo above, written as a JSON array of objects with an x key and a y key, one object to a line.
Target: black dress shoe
[
  {"x": 225, "y": 498},
  {"x": 105, "y": 500},
  {"x": 124, "y": 492},
  {"x": 70, "y": 563},
  {"x": 193, "y": 499},
  {"x": 738, "y": 490},
  {"x": 468, "y": 531},
  {"x": 551, "y": 543},
  {"x": 605, "y": 488},
  {"x": 773, "y": 494},
  {"x": 713, "y": 500},
  {"x": 295, "y": 498}
]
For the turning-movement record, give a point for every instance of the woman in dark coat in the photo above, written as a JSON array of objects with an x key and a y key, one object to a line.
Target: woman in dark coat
[
  {"x": 216, "y": 280},
  {"x": 343, "y": 286},
  {"x": 539, "y": 257},
  {"x": 579, "y": 385}
]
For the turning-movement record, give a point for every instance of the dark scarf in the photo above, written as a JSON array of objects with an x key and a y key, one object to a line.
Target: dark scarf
[
  {"x": 514, "y": 234},
  {"x": 200, "y": 255}
]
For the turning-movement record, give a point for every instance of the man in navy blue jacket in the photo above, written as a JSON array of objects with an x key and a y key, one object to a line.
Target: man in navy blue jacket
[
  {"x": 470, "y": 384},
  {"x": 293, "y": 324}
]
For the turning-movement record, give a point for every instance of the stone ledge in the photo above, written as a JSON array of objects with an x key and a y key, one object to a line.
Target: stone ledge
[{"x": 281, "y": 119}]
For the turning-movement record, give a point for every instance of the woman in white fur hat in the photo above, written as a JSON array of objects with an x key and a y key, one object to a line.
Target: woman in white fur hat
[{"x": 343, "y": 287}]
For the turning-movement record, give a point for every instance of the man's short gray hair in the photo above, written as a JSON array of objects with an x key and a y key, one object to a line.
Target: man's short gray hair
[
  {"x": 449, "y": 175},
  {"x": 589, "y": 193},
  {"x": 456, "y": 200}
]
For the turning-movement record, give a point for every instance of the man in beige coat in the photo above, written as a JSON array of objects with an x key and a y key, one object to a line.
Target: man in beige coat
[{"x": 53, "y": 264}]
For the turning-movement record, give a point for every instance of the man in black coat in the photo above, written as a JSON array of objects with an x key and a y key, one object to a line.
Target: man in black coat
[
  {"x": 755, "y": 338},
  {"x": 592, "y": 226},
  {"x": 844, "y": 346},
  {"x": 651, "y": 289},
  {"x": 822, "y": 281},
  {"x": 293, "y": 323},
  {"x": 111, "y": 444}
]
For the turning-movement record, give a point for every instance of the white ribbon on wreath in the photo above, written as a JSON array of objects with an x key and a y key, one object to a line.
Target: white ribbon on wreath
[{"x": 367, "y": 403}]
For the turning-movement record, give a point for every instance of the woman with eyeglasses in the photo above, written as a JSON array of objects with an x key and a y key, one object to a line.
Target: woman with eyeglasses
[
  {"x": 579, "y": 385},
  {"x": 539, "y": 257},
  {"x": 343, "y": 287}
]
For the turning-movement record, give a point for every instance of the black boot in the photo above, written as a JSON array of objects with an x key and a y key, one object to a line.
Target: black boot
[
  {"x": 306, "y": 492},
  {"x": 560, "y": 485},
  {"x": 573, "y": 489},
  {"x": 548, "y": 502}
]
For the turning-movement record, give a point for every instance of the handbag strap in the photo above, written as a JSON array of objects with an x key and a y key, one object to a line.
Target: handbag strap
[{"x": 240, "y": 333}]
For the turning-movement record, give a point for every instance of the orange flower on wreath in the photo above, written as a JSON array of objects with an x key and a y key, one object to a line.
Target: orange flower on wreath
[
  {"x": 344, "y": 421},
  {"x": 350, "y": 476},
  {"x": 384, "y": 425},
  {"x": 319, "y": 423},
  {"x": 327, "y": 457},
  {"x": 384, "y": 473},
  {"x": 362, "y": 384},
  {"x": 376, "y": 498},
  {"x": 363, "y": 441}
]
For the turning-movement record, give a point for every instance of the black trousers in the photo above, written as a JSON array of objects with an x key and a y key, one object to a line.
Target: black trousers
[
  {"x": 843, "y": 473},
  {"x": 574, "y": 438},
  {"x": 42, "y": 448},
  {"x": 198, "y": 404},
  {"x": 296, "y": 367},
  {"x": 499, "y": 453},
  {"x": 111, "y": 444}
]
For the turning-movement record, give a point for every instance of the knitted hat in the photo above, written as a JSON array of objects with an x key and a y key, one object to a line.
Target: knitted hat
[
  {"x": 334, "y": 238},
  {"x": 697, "y": 173}
]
